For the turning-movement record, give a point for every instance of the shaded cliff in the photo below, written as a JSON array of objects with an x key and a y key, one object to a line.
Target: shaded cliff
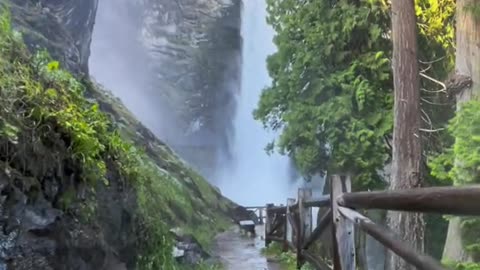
[
  {"x": 185, "y": 54},
  {"x": 63, "y": 27},
  {"x": 83, "y": 184}
]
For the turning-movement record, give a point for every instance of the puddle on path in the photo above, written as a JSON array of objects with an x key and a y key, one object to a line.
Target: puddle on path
[{"x": 239, "y": 252}]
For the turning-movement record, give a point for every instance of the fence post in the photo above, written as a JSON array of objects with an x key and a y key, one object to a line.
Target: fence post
[
  {"x": 343, "y": 230},
  {"x": 268, "y": 224},
  {"x": 260, "y": 216},
  {"x": 305, "y": 224},
  {"x": 288, "y": 226}
]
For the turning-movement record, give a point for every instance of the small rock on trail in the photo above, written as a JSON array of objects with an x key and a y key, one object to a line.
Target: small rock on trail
[{"x": 241, "y": 252}]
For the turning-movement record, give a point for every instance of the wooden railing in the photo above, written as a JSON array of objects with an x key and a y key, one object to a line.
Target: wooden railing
[{"x": 291, "y": 225}]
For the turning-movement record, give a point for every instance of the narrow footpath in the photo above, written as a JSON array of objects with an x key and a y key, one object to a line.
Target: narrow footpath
[{"x": 240, "y": 252}]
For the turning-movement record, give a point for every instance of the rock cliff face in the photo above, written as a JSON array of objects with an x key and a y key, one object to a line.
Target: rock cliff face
[
  {"x": 50, "y": 218},
  {"x": 188, "y": 52},
  {"x": 64, "y": 27}
]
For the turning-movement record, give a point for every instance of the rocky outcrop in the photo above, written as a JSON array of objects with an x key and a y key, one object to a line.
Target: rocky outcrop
[
  {"x": 195, "y": 47},
  {"x": 63, "y": 27},
  {"x": 187, "y": 249},
  {"x": 39, "y": 232}
]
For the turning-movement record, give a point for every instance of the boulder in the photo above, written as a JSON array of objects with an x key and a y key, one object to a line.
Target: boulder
[{"x": 187, "y": 249}]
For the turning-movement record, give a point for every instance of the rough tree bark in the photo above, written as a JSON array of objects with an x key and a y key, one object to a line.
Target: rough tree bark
[
  {"x": 407, "y": 150},
  {"x": 467, "y": 69}
]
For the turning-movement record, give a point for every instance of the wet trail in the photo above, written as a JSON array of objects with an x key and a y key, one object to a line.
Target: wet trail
[{"x": 239, "y": 252}]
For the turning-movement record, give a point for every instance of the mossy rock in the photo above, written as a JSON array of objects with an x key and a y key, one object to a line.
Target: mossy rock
[{"x": 118, "y": 182}]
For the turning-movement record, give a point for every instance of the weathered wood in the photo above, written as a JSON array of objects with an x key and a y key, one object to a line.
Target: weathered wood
[
  {"x": 305, "y": 225},
  {"x": 316, "y": 262},
  {"x": 293, "y": 223},
  {"x": 318, "y": 202},
  {"x": 322, "y": 225},
  {"x": 334, "y": 193},
  {"x": 288, "y": 225},
  {"x": 442, "y": 200},
  {"x": 291, "y": 245},
  {"x": 275, "y": 238},
  {"x": 386, "y": 238},
  {"x": 260, "y": 216},
  {"x": 360, "y": 249},
  {"x": 255, "y": 207},
  {"x": 279, "y": 220},
  {"x": 298, "y": 239},
  {"x": 344, "y": 243},
  {"x": 268, "y": 220},
  {"x": 278, "y": 209},
  {"x": 306, "y": 212}
]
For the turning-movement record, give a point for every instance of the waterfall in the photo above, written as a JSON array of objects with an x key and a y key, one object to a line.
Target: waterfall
[
  {"x": 251, "y": 176},
  {"x": 120, "y": 62}
]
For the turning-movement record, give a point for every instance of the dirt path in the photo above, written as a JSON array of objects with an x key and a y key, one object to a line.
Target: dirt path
[{"x": 239, "y": 252}]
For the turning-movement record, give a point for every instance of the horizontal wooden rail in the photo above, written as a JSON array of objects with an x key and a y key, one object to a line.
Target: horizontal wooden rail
[
  {"x": 441, "y": 200},
  {"x": 255, "y": 207},
  {"x": 275, "y": 238},
  {"x": 278, "y": 209},
  {"x": 296, "y": 220},
  {"x": 292, "y": 222},
  {"x": 318, "y": 202},
  {"x": 293, "y": 207},
  {"x": 383, "y": 236}
]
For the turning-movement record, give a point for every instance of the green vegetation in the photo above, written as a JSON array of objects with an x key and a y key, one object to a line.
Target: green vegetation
[
  {"x": 331, "y": 86},
  {"x": 462, "y": 266},
  {"x": 332, "y": 83},
  {"x": 45, "y": 106},
  {"x": 460, "y": 164},
  {"x": 332, "y": 90},
  {"x": 287, "y": 260}
]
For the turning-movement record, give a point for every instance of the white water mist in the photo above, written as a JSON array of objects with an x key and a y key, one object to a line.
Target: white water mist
[
  {"x": 119, "y": 62},
  {"x": 252, "y": 176}
]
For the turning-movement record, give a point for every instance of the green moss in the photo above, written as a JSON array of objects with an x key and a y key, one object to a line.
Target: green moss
[
  {"x": 38, "y": 97},
  {"x": 67, "y": 198}
]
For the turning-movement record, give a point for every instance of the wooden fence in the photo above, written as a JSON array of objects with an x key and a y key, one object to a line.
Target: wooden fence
[{"x": 291, "y": 225}]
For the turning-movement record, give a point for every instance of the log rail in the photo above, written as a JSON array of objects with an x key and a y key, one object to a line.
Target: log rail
[{"x": 291, "y": 225}]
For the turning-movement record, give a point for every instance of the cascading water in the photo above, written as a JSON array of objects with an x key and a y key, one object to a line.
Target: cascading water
[
  {"x": 120, "y": 63},
  {"x": 252, "y": 176},
  {"x": 111, "y": 65}
]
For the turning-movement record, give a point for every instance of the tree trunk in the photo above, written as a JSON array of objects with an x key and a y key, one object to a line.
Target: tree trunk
[
  {"x": 407, "y": 150},
  {"x": 467, "y": 63}
]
